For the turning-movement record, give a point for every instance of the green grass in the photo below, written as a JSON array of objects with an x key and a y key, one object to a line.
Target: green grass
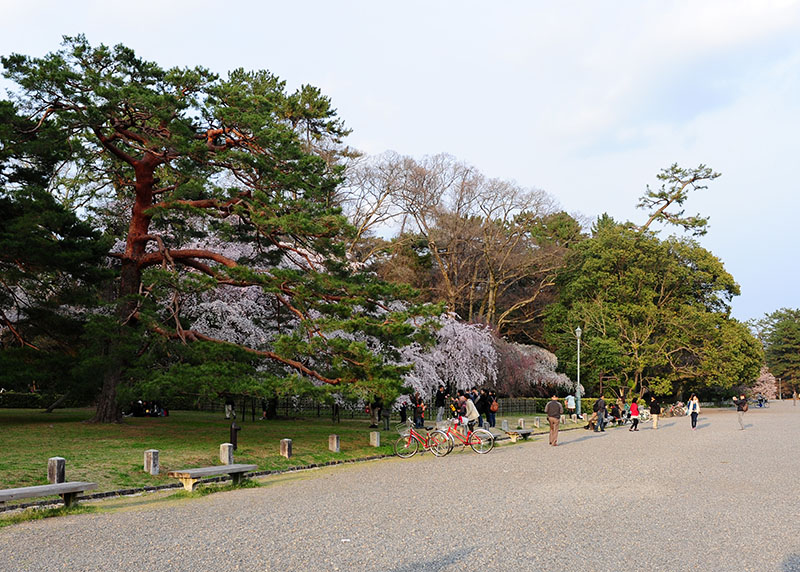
[
  {"x": 38, "y": 514},
  {"x": 112, "y": 455}
]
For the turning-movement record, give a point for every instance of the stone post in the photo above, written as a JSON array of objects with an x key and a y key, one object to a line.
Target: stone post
[
  {"x": 563, "y": 419},
  {"x": 536, "y": 422},
  {"x": 151, "y": 464},
  {"x": 56, "y": 470},
  {"x": 375, "y": 438},
  {"x": 226, "y": 453},
  {"x": 333, "y": 443},
  {"x": 504, "y": 425},
  {"x": 521, "y": 423},
  {"x": 286, "y": 448}
]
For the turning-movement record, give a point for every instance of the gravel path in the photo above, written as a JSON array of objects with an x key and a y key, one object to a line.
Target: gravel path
[{"x": 714, "y": 499}]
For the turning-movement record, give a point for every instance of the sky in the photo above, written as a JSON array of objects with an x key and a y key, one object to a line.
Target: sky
[{"x": 586, "y": 100}]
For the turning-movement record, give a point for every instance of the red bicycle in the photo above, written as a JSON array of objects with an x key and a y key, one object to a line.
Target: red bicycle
[
  {"x": 410, "y": 441},
  {"x": 480, "y": 440}
]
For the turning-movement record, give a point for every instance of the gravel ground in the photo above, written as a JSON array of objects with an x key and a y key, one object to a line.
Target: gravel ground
[{"x": 674, "y": 499}]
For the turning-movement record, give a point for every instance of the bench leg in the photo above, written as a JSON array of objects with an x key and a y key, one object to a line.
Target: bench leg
[
  {"x": 236, "y": 478},
  {"x": 189, "y": 484},
  {"x": 69, "y": 499}
]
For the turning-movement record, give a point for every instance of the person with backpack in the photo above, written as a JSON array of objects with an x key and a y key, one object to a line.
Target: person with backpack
[
  {"x": 494, "y": 407},
  {"x": 741, "y": 409}
]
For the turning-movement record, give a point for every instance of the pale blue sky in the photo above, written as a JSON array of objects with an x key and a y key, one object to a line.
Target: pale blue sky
[{"x": 584, "y": 99}]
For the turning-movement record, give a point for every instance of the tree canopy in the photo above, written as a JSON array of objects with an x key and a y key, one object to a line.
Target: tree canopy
[
  {"x": 654, "y": 314},
  {"x": 174, "y": 163}
]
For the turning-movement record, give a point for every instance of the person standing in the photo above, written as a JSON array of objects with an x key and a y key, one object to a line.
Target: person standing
[
  {"x": 494, "y": 406},
  {"x": 634, "y": 414},
  {"x": 655, "y": 410},
  {"x": 741, "y": 408},
  {"x": 693, "y": 408},
  {"x": 570, "y": 403},
  {"x": 600, "y": 409},
  {"x": 553, "y": 409},
  {"x": 477, "y": 401},
  {"x": 419, "y": 410},
  {"x": 230, "y": 407},
  {"x": 439, "y": 403}
]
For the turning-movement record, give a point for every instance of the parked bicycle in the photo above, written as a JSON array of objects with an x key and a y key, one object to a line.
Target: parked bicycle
[
  {"x": 480, "y": 440},
  {"x": 410, "y": 441},
  {"x": 678, "y": 409}
]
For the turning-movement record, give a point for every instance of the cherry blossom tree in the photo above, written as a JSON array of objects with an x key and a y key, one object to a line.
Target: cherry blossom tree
[{"x": 765, "y": 384}]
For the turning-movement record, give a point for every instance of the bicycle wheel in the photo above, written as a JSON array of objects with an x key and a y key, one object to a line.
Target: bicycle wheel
[
  {"x": 406, "y": 446},
  {"x": 439, "y": 443},
  {"x": 481, "y": 441}
]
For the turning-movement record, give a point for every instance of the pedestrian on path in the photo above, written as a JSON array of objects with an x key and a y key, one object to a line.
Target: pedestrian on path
[
  {"x": 600, "y": 409},
  {"x": 554, "y": 410},
  {"x": 655, "y": 410},
  {"x": 634, "y": 415},
  {"x": 741, "y": 408},
  {"x": 570, "y": 403},
  {"x": 693, "y": 408}
]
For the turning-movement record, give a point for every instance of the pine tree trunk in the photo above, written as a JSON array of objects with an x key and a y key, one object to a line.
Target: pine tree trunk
[{"x": 108, "y": 410}]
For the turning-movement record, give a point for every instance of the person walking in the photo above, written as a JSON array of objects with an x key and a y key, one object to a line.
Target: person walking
[
  {"x": 600, "y": 409},
  {"x": 438, "y": 402},
  {"x": 570, "y": 403},
  {"x": 554, "y": 410},
  {"x": 741, "y": 408},
  {"x": 634, "y": 414},
  {"x": 693, "y": 409},
  {"x": 655, "y": 410}
]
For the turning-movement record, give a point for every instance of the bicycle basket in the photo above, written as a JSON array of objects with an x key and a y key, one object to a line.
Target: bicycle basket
[{"x": 403, "y": 428}]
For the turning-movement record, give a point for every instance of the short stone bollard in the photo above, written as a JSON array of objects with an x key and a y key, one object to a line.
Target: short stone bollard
[
  {"x": 536, "y": 422},
  {"x": 574, "y": 418},
  {"x": 333, "y": 443},
  {"x": 226, "y": 453},
  {"x": 286, "y": 448},
  {"x": 375, "y": 438},
  {"x": 56, "y": 470},
  {"x": 504, "y": 425},
  {"x": 563, "y": 419},
  {"x": 521, "y": 424},
  {"x": 151, "y": 464}
]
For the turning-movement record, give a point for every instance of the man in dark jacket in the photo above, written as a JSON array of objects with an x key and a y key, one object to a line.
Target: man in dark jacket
[
  {"x": 655, "y": 410},
  {"x": 438, "y": 402},
  {"x": 554, "y": 410},
  {"x": 600, "y": 408}
]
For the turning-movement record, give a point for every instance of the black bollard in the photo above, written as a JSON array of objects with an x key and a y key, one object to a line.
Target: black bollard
[{"x": 234, "y": 434}]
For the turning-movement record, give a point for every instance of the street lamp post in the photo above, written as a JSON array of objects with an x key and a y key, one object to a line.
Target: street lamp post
[{"x": 578, "y": 385}]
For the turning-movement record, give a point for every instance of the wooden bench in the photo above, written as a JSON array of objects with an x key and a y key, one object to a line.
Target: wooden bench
[
  {"x": 190, "y": 477},
  {"x": 67, "y": 491},
  {"x": 515, "y": 434}
]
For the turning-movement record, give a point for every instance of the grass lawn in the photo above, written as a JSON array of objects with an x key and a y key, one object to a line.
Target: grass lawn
[{"x": 111, "y": 455}]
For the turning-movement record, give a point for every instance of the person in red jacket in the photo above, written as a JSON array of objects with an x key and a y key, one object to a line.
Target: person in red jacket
[{"x": 634, "y": 415}]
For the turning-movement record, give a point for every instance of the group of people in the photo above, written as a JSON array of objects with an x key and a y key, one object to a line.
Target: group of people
[{"x": 474, "y": 405}]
